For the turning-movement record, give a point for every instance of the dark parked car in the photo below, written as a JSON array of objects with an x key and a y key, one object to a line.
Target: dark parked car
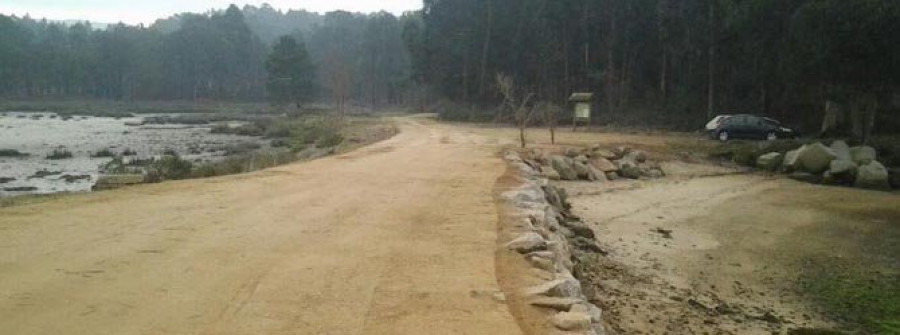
[{"x": 745, "y": 126}]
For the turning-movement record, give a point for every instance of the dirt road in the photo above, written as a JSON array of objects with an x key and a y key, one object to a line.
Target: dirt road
[{"x": 396, "y": 238}]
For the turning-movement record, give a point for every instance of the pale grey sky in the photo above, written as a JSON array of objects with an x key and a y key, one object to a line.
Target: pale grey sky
[{"x": 147, "y": 11}]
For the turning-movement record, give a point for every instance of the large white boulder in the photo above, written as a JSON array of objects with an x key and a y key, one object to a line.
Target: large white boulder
[
  {"x": 863, "y": 155},
  {"x": 528, "y": 242},
  {"x": 604, "y": 165},
  {"x": 563, "y": 165},
  {"x": 842, "y": 150},
  {"x": 572, "y": 321},
  {"x": 843, "y": 167},
  {"x": 791, "y": 162},
  {"x": 561, "y": 288},
  {"x": 582, "y": 170},
  {"x": 628, "y": 168},
  {"x": 815, "y": 158},
  {"x": 873, "y": 176},
  {"x": 770, "y": 161},
  {"x": 550, "y": 173}
]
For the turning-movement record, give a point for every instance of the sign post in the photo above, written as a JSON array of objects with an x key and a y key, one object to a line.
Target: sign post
[{"x": 582, "y": 103}]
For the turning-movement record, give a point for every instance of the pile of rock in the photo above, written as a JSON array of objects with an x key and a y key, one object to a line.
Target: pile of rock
[
  {"x": 594, "y": 164},
  {"x": 838, "y": 164},
  {"x": 553, "y": 241}
]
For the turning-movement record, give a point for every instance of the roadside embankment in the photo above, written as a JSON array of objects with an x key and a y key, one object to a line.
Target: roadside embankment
[{"x": 541, "y": 246}]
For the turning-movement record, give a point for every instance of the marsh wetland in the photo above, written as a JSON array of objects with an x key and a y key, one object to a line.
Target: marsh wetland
[{"x": 35, "y": 147}]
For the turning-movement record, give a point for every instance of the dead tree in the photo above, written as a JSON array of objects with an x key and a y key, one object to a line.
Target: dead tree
[
  {"x": 519, "y": 106},
  {"x": 549, "y": 113}
]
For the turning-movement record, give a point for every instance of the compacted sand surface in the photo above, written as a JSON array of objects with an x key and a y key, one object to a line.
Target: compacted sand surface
[
  {"x": 714, "y": 250},
  {"x": 395, "y": 238}
]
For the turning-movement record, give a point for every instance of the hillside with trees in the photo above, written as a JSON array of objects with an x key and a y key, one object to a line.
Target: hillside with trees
[
  {"x": 648, "y": 62},
  {"x": 219, "y": 55},
  {"x": 669, "y": 62}
]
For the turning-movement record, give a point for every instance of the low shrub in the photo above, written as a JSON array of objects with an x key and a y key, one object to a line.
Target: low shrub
[
  {"x": 241, "y": 148},
  {"x": 11, "y": 153},
  {"x": 255, "y": 129},
  {"x": 169, "y": 168},
  {"x": 105, "y": 153},
  {"x": 244, "y": 164},
  {"x": 322, "y": 133},
  {"x": 279, "y": 130},
  {"x": 279, "y": 143},
  {"x": 58, "y": 154},
  {"x": 329, "y": 140},
  {"x": 221, "y": 129}
]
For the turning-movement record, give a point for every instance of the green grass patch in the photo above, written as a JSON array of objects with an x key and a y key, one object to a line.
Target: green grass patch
[{"x": 858, "y": 296}]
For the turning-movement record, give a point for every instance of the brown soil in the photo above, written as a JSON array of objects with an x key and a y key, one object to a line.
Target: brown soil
[
  {"x": 395, "y": 238},
  {"x": 710, "y": 251},
  {"x": 400, "y": 238}
]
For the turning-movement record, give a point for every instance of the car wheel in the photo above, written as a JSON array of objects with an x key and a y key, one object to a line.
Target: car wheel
[
  {"x": 771, "y": 136},
  {"x": 724, "y": 136}
]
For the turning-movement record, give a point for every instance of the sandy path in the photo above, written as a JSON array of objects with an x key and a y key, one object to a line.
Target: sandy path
[
  {"x": 396, "y": 238},
  {"x": 738, "y": 243}
]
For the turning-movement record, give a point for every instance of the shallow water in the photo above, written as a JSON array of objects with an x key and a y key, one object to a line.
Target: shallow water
[{"x": 38, "y": 134}]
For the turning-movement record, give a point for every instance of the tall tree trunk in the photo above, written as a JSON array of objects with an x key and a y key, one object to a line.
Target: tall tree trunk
[
  {"x": 553, "y": 134},
  {"x": 522, "y": 135},
  {"x": 663, "y": 79},
  {"x": 610, "y": 63},
  {"x": 485, "y": 50},
  {"x": 466, "y": 77},
  {"x": 710, "y": 111}
]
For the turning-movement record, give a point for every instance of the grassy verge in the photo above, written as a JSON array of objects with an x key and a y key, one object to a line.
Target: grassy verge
[
  {"x": 867, "y": 298},
  {"x": 847, "y": 263},
  {"x": 293, "y": 140}
]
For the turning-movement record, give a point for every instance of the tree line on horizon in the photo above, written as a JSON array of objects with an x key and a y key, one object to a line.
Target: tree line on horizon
[
  {"x": 670, "y": 61},
  {"x": 673, "y": 62},
  {"x": 218, "y": 55}
]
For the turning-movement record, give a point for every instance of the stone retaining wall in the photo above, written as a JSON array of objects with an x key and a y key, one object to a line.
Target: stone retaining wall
[{"x": 552, "y": 241}]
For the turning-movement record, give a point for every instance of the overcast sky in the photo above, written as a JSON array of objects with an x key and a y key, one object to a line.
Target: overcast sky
[{"x": 147, "y": 11}]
